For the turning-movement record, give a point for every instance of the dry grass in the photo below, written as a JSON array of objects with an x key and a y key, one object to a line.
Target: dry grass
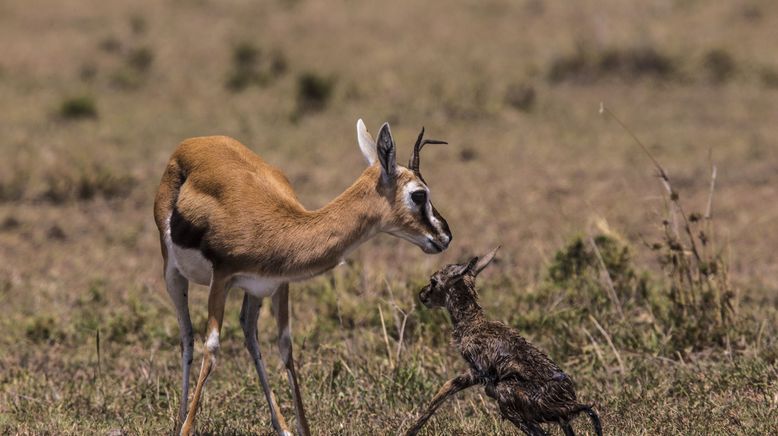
[{"x": 546, "y": 177}]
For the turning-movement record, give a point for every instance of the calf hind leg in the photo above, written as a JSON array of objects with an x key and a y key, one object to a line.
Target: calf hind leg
[{"x": 566, "y": 427}]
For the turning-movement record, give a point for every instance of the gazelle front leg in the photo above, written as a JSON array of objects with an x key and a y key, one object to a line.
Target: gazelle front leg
[
  {"x": 216, "y": 299},
  {"x": 448, "y": 389},
  {"x": 281, "y": 310},
  {"x": 248, "y": 320}
]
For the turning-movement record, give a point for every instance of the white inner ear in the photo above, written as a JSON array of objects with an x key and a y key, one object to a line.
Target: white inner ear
[{"x": 366, "y": 143}]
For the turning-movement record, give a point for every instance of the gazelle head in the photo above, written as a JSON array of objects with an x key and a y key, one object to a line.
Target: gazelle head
[
  {"x": 412, "y": 216},
  {"x": 455, "y": 281}
]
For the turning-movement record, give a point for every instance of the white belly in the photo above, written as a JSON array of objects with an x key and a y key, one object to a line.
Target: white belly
[
  {"x": 196, "y": 268},
  {"x": 259, "y": 287}
]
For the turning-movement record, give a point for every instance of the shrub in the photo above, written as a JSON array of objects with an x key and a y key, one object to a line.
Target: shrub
[
  {"x": 313, "y": 92},
  {"x": 246, "y": 67},
  {"x": 769, "y": 77},
  {"x": 246, "y": 56},
  {"x": 78, "y": 108},
  {"x": 278, "y": 63},
  {"x": 520, "y": 96},
  {"x": 86, "y": 183},
  {"x": 623, "y": 63},
  {"x": 138, "y": 24},
  {"x": 13, "y": 188},
  {"x": 719, "y": 65},
  {"x": 140, "y": 59},
  {"x": 42, "y": 329},
  {"x": 111, "y": 44}
]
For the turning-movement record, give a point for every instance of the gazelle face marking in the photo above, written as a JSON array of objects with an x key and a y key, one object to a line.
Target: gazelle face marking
[{"x": 416, "y": 219}]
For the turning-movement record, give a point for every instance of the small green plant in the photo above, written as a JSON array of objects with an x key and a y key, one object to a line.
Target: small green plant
[
  {"x": 80, "y": 107},
  {"x": 41, "y": 329}
]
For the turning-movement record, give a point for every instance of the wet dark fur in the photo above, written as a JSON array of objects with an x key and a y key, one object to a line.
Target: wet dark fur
[{"x": 529, "y": 387}]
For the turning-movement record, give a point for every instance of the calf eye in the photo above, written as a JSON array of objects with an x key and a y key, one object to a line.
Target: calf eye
[{"x": 419, "y": 197}]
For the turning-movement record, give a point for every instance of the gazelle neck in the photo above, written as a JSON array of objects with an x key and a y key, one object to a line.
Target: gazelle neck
[{"x": 323, "y": 237}]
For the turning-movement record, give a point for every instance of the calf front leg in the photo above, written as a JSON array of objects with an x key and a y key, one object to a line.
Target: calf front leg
[{"x": 448, "y": 389}]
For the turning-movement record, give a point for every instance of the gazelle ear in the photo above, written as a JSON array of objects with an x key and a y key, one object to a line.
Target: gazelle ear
[
  {"x": 366, "y": 143},
  {"x": 484, "y": 261},
  {"x": 386, "y": 153}
]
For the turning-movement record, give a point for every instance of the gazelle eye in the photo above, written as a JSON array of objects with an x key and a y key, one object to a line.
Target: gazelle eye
[{"x": 419, "y": 197}]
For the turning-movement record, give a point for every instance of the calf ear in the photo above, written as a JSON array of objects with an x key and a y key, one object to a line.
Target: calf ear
[
  {"x": 468, "y": 267},
  {"x": 484, "y": 261},
  {"x": 386, "y": 153},
  {"x": 366, "y": 143}
]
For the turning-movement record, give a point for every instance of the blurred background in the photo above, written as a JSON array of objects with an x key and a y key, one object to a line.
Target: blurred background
[{"x": 95, "y": 96}]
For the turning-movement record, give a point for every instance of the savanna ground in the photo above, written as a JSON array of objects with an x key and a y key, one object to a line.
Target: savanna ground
[{"x": 95, "y": 95}]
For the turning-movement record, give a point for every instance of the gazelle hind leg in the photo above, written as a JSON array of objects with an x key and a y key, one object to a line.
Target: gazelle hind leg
[
  {"x": 178, "y": 289},
  {"x": 249, "y": 313},
  {"x": 216, "y": 299},
  {"x": 281, "y": 310}
]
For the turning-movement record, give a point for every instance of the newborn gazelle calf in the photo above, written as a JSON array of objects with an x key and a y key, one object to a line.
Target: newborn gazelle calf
[{"x": 529, "y": 388}]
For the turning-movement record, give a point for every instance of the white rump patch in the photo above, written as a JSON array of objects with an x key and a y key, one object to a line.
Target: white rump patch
[{"x": 190, "y": 263}]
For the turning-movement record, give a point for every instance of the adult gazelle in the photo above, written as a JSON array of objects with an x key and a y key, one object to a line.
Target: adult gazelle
[{"x": 227, "y": 219}]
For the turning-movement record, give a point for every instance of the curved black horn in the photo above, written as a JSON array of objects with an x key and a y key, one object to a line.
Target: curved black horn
[{"x": 413, "y": 164}]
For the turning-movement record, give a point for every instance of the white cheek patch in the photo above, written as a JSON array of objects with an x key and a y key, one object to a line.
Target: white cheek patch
[
  {"x": 427, "y": 208},
  {"x": 408, "y": 190}
]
